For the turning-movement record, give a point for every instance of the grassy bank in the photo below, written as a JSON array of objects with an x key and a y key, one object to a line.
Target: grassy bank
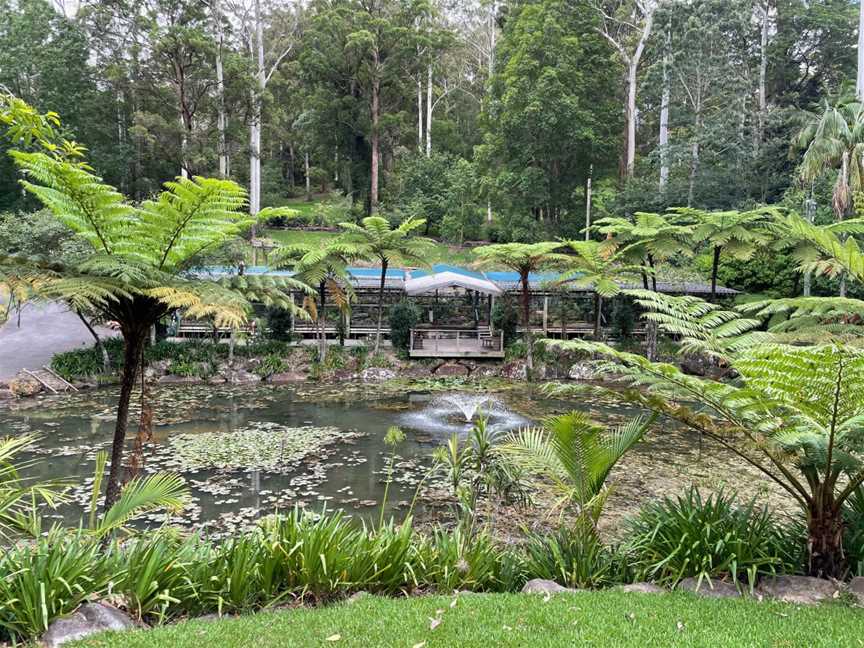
[{"x": 592, "y": 619}]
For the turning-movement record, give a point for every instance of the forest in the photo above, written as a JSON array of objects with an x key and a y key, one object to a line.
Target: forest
[{"x": 493, "y": 120}]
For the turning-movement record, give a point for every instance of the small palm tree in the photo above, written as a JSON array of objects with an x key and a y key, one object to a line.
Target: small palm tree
[
  {"x": 140, "y": 268},
  {"x": 326, "y": 268},
  {"x": 577, "y": 455},
  {"x": 376, "y": 240},
  {"x": 592, "y": 264},
  {"x": 523, "y": 258},
  {"x": 833, "y": 140},
  {"x": 733, "y": 232}
]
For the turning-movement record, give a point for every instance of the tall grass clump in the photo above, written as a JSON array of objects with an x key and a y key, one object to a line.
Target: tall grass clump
[
  {"x": 573, "y": 556},
  {"x": 692, "y": 536}
]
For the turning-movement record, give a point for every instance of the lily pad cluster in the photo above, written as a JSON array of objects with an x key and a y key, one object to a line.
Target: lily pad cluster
[{"x": 264, "y": 446}]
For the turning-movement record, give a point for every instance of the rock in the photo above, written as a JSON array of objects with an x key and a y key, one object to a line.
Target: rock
[
  {"x": 217, "y": 380},
  {"x": 856, "y": 587},
  {"x": 516, "y": 370},
  {"x": 242, "y": 377},
  {"x": 286, "y": 377},
  {"x": 642, "y": 588},
  {"x": 541, "y": 586},
  {"x": 713, "y": 589},
  {"x": 171, "y": 379},
  {"x": 376, "y": 374},
  {"x": 6, "y": 394},
  {"x": 25, "y": 387},
  {"x": 88, "y": 620},
  {"x": 156, "y": 369},
  {"x": 580, "y": 371},
  {"x": 356, "y": 596},
  {"x": 803, "y": 590},
  {"x": 452, "y": 369},
  {"x": 105, "y": 616}
]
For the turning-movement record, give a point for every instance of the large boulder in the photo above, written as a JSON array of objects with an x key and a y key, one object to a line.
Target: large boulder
[
  {"x": 25, "y": 386},
  {"x": 171, "y": 379},
  {"x": 452, "y": 369},
  {"x": 242, "y": 377},
  {"x": 709, "y": 589},
  {"x": 516, "y": 370},
  {"x": 542, "y": 586},
  {"x": 642, "y": 588},
  {"x": 90, "y": 619},
  {"x": 285, "y": 377},
  {"x": 580, "y": 371},
  {"x": 377, "y": 374},
  {"x": 856, "y": 588},
  {"x": 803, "y": 590}
]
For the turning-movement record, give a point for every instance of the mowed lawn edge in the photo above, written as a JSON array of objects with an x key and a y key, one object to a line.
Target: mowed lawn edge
[{"x": 606, "y": 618}]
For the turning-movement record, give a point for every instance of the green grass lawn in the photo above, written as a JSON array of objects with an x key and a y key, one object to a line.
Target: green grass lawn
[
  {"x": 441, "y": 252},
  {"x": 584, "y": 619}
]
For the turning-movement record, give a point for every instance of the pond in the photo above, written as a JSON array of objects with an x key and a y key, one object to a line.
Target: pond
[{"x": 246, "y": 452}]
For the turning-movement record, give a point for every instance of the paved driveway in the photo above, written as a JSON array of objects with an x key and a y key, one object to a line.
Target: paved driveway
[{"x": 45, "y": 329}]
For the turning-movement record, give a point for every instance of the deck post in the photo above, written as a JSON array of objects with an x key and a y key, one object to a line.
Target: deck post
[
  {"x": 411, "y": 343},
  {"x": 545, "y": 315},
  {"x": 292, "y": 313},
  {"x": 457, "y": 340}
]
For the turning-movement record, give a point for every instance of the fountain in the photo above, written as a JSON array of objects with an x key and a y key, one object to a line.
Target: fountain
[{"x": 457, "y": 412}]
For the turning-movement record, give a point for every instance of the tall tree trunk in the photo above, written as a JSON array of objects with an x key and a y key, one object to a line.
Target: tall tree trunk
[
  {"x": 322, "y": 322},
  {"x": 763, "y": 72},
  {"x": 429, "y": 110},
  {"x": 859, "y": 79},
  {"x": 255, "y": 121},
  {"x": 588, "y": 202},
  {"x": 308, "y": 179},
  {"x": 526, "y": 321},
  {"x": 376, "y": 143},
  {"x": 664, "y": 118},
  {"x": 134, "y": 338},
  {"x": 694, "y": 147},
  {"x": 221, "y": 116},
  {"x": 825, "y": 538},
  {"x": 380, "y": 305},
  {"x": 419, "y": 113},
  {"x": 598, "y": 315},
  {"x": 715, "y": 266}
]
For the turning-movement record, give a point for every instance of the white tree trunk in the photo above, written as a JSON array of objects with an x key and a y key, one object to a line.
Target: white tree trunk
[
  {"x": 255, "y": 122},
  {"x": 184, "y": 148},
  {"x": 308, "y": 179},
  {"x": 763, "y": 71},
  {"x": 429, "y": 111},
  {"x": 859, "y": 83},
  {"x": 221, "y": 117},
  {"x": 375, "y": 141},
  {"x": 664, "y": 120},
  {"x": 588, "y": 203},
  {"x": 419, "y": 113}
]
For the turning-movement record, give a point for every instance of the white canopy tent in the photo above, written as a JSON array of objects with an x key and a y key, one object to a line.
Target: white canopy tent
[{"x": 443, "y": 280}]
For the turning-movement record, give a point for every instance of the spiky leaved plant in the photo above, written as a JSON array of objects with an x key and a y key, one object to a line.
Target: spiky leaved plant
[
  {"x": 375, "y": 240},
  {"x": 140, "y": 266}
]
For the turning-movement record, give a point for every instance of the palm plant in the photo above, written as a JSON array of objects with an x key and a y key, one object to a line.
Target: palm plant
[
  {"x": 592, "y": 264},
  {"x": 140, "y": 266},
  {"x": 376, "y": 240},
  {"x": 738, "y": 234},
  {"x": 523, "y": 258},
  {"x": 577, "y": 455},
  {"x": 325, "y": 267},
  {"x": 794, "y": 414},
  {"x": 835, "y": 140}
]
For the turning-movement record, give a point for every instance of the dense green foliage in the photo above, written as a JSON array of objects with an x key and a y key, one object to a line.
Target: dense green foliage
[{"x": 402, "y": 318}]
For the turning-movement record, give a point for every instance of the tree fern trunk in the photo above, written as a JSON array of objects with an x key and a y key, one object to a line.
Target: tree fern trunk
[
  {"x": 134, "y": 339},
  {"x": 380, "y": 306},
  {"x": 526, "y": 319},
  {"x": 825, "y": 539},
  {"x": 715, "y": 266}
]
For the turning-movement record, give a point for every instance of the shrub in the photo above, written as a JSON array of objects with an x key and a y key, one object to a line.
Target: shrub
[
  {"x": 279, "y": 324},
  {"x": 271, "y": 364},
  {"x": 505, "y": 317},
  {"x": 47, "y": 579},
  {"x": 572, "y": 556},
  {"x": 403, "y": 316},
  {"x": 675, "y": 538},
  {"x": 87, "y": 362}
]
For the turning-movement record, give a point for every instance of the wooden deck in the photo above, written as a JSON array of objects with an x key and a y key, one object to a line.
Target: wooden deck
[{"x": 449, "y": 343}]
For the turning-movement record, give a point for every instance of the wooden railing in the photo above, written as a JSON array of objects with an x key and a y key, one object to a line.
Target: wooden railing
[{"x": 439, "y": 340}]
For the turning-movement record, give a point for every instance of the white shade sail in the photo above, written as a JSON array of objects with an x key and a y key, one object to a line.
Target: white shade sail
[{"x": 441, "y": 280}]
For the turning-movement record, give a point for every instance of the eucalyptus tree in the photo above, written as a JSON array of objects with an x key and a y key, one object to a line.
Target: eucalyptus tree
[
  {"x": 376, "y": 240},
  {"x": 524, "y": 259},
  {"x": 139, "y": 266}
]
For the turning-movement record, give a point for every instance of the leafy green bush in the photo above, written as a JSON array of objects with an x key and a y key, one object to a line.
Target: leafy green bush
[
  {"x": 271, "y": 364},
  {"x": 403, "y": 316},
  {"x": 279, "y": 324},
  {"x": 47, "y": 579},
  {"x": 87, "y": 362},
  {"x": 675, "y": 538},
  {"x": 505, "y": 317},
  {"x": 573, "y": 556}
]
